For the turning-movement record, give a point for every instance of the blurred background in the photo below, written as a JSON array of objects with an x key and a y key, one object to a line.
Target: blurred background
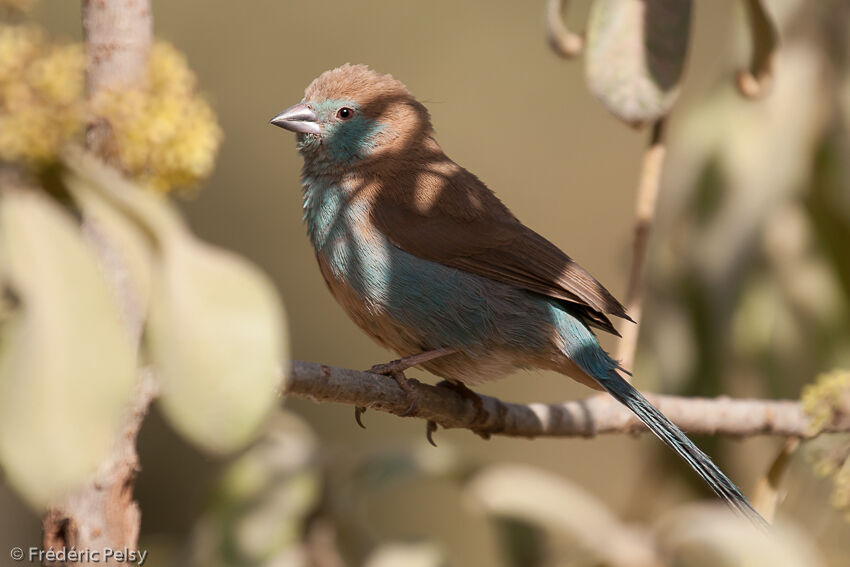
[{"x": 748, "y": 274}]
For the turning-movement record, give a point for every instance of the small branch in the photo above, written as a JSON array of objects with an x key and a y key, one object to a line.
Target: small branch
[
  {"x": 118, "y": 36},
  {"x": 755, "y": 81},
  {"x": 647, "y": 197},
  {"x": 584, "y": 418},
  {"x": 563, "y": 42},
  {"x": 103, "y": 513}
]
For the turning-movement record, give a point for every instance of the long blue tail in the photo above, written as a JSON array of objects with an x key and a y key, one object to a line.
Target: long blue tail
[{"x": 668, "y": 432}]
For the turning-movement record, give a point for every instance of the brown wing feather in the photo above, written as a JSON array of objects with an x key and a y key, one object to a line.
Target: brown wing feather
[{"x": 445, "y": 214}]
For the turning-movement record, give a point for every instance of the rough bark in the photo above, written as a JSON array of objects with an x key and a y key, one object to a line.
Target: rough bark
[{"x": 581, "y": 418}]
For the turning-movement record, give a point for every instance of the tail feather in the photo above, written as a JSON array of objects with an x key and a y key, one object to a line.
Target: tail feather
[{"x": 668, "y": 432}]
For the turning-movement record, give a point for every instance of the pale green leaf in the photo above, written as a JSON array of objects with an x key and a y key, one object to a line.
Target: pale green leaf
[
  {"x": 710, "y": 535},
  {"x": 259, "y": 510},
  {"x": 216, "y": 328},
  {"x": 215, "y": 335},
  {"x": 636, "y": 54},
  {"x": 127, "y": 248},
  {"x": 67, "y": 364},
  {"x": 544, "y": 499},
  {"x": 407, "y": 555}
]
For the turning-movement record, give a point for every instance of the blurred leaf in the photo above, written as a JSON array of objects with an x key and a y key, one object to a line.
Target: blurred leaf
[
  {"x": 754, "y": 82},
  {"x": 381, "y": 469},
  {"x": 541, "y": 498},
  {"x": 261, "y": 506},
  {"x": 216, "y": 338},
  {"x": 216, "y": 329},
  {"x": 132, "y": 248},
  {"x": 406, "y": 555},
  {"x": 523, "y": 544},
  {"x": 68, "y": 365},
  {"x": 710, "y": 535},
  {"x": 636, "y": 54}
]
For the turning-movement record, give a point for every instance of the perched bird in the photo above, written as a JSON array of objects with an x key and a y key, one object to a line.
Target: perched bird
[{"x": 426, "y": 259}]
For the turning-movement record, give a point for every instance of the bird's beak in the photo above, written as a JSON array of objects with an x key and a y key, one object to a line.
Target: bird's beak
[{"x": 298, "y": 118}]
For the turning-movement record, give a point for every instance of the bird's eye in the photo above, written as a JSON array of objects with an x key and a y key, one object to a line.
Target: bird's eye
[{"x": 344, "y": 113}]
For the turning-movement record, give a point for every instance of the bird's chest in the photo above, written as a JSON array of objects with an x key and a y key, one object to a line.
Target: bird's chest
[{"x": 356, "y": 261}]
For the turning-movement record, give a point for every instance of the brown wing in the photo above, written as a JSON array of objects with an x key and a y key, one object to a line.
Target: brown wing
[{"x": 445, "y": 214}]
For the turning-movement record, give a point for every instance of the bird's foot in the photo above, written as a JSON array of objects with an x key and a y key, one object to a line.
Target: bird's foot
[
  {"x": 410, "y": 389},
  {"x": 395, "y": 369}
]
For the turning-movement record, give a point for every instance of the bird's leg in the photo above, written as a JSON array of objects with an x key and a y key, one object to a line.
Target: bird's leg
[
  {"x": 395, "y": 369},
  {"x": 403, "y": 364}
]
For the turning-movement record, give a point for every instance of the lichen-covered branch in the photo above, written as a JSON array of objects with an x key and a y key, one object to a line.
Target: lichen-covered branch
[{"x": 582, "y": 418}]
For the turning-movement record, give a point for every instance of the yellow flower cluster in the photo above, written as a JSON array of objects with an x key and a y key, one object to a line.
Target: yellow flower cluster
[
  {"x": 824, "y": 401},
  {"x": 166, "y": 136},
  {"x": 827, "y": 398},
  {"x": 41, "y": 94}
]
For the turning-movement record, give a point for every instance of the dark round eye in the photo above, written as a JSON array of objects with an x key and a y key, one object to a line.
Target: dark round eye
[{"x": 344, "y": 113}]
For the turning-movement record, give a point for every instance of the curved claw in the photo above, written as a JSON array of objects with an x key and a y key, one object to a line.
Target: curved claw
[
  {"x": 358, "y": 412},
  {"x": 411, "y": 409},
  {"x": 430, "y": 428}
]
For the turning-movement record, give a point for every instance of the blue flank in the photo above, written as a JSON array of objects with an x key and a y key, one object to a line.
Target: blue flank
[{"x": 446, "y": 306}]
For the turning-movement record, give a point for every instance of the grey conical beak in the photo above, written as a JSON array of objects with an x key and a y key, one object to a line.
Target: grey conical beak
[{"x": 298, "y": 118}]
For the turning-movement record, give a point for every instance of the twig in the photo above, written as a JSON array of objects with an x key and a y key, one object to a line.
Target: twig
[
  {"x": 755, "y": 81},
  {"x": 102, "y": 514},
  {"x": 647, "y": 196},
  {"x": 768, "y": 493},
  {"x": 118, "y": 36},
  {"x": 585, "y": 418},
  {"x": 563, "y": 42}
]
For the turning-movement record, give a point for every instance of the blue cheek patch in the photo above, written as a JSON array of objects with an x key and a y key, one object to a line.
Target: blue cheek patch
[{"x": 345, "y": 140}]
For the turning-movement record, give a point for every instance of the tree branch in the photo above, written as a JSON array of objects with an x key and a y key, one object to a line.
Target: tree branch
[
  {"x": 582, "y": 418},
  {"x": 647, "y": 197},
  {"x": 118, "y": 37}
]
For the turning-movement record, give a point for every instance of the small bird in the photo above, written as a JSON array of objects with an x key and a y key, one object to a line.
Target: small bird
[{"x": 429, "y": 262}]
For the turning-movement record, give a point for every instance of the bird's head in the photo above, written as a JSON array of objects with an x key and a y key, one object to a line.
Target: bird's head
[{"x": 352, "y": 115}]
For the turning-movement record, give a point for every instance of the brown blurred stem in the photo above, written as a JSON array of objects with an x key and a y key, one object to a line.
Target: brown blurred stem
[
  {"x": 118, "y": 36},
  {"x": 647, "y": 197},
  {"x": 754, "y": 81},
  {"x": 563, "y": 42},
  {"x": 581, "y": 418},
  {"x": 768, "y": 490}
]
